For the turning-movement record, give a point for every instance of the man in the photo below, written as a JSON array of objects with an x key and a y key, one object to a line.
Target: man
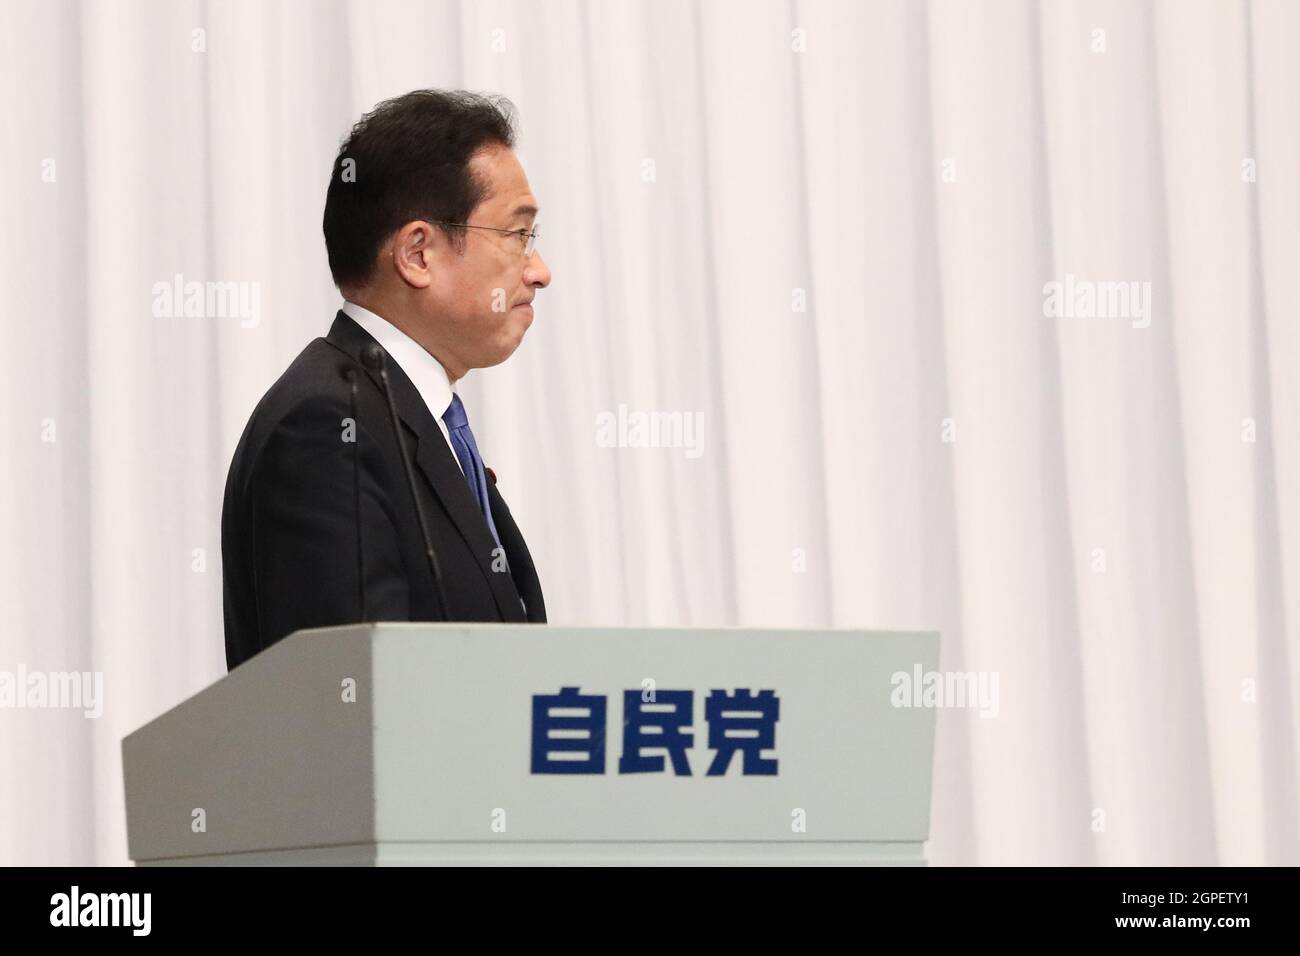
[{"x": 430, "y": 229}]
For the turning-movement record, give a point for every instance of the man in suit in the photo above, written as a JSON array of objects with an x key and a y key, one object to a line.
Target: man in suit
[{"x": 430, "y": 230}]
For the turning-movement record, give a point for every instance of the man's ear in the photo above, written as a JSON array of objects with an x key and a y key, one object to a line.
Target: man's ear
[{"x": 413, "y": 253}]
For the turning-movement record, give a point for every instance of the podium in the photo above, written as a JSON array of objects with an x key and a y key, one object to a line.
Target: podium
[{"x": 407, "y": 743}]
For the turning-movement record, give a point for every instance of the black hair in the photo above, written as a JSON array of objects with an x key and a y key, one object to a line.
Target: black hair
[{"x": 406, "y": 159}]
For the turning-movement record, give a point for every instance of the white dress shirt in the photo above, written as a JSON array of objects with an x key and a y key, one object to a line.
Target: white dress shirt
[{"x": 425, "y": 372}]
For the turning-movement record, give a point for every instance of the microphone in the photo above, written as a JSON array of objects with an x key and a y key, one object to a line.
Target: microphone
[
  {"x": 372, "y": 357},
  {"x": 350, "y": 375}
]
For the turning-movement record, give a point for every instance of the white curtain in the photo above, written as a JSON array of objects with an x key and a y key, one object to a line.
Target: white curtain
[{"x": 825, "y": 230}]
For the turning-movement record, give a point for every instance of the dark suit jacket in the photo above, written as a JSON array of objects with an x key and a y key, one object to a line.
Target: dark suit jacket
[{"x": 289, "y": 528}]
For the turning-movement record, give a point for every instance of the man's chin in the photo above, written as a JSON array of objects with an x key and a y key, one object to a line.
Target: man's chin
[
  {"x": 518, "y": 337},
  {"x": 504, "y": 353}
]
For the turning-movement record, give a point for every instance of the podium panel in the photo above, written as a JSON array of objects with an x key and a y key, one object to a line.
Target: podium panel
[{"x": 404, "y": 743}]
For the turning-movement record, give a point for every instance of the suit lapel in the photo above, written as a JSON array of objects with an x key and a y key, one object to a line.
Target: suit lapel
[
  {"x": 434, "y": 460},
  {"x": 521, "y": 561}
]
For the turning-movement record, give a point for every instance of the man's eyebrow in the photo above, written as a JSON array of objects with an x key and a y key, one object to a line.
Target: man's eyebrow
[{"x": 524, "y": 210}]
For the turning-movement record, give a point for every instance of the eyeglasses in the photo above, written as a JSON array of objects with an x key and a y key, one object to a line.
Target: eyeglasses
[{"x": 527, "y": 238}]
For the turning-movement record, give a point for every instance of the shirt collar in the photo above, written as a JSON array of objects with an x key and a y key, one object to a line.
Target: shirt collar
[{"x": 425, "y": 372}]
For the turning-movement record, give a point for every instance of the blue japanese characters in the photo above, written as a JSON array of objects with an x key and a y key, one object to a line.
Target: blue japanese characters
[{"x": 569, "y": 731}]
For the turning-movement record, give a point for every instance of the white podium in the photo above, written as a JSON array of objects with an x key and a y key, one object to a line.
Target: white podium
[{"x": 406, "y": 743}]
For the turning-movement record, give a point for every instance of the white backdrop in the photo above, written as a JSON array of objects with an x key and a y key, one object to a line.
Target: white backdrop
[{"x": 826, "y": 228}]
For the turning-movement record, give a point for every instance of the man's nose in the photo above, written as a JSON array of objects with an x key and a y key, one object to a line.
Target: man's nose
[{"x": 537, "y": 273}]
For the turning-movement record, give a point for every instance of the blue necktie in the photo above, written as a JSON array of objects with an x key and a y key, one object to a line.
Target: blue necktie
[{"x": 462, "y": 442}]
